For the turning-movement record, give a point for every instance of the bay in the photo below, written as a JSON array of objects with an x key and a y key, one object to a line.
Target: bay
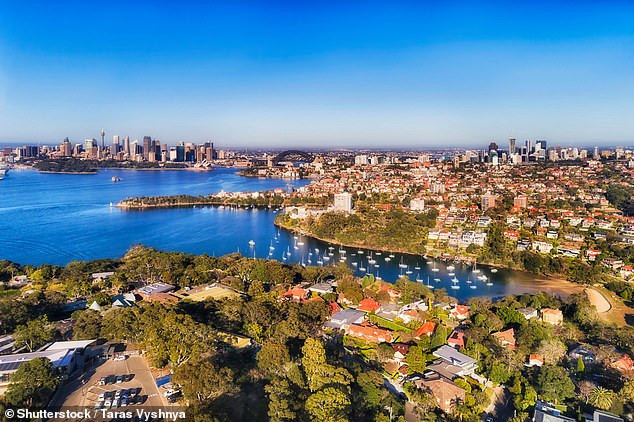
[{"x": 57, "y": 218}]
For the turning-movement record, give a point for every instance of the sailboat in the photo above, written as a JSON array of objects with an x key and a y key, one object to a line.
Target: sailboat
[
  {"x": 475, "y": 268},
  {"x": 271, "y": 248},
  {"x": 417, "y": 267},
  {"x": 420, "y": 279},
  {"x": 401, "y": 265},
  {"x": 494, "y": 270},
  {"x": 429, "y": 286},
  {"x": 408, "y": 270},
  {"x": 450, "y": 268},
  {"x": 378, "y": 277},
  {"x": 434, "y": 269},
  {"x": 371, "y": 260},
  {"x": 454, "y": 284}
]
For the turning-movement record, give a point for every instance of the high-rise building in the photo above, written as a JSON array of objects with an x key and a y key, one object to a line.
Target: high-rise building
[
  {"x": 595, "y": 153},
  {"x": 521, "y": 201},
  {"x": 66, "y": 148},
  {"x": 511, "y": 146},
  {"x": 488, "y": 201},
  {"x": 493, "y": 146},
  {"x": 343, "y": 202},
  {"x": 361, "y": 159},
  {"x": 126, "y": 145},
  {"x": 147, "y": 145}
]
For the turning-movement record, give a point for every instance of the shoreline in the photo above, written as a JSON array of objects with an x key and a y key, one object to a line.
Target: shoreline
[
  {"x": 552, "y": 284},
  {"x": 67, "y": 172}
]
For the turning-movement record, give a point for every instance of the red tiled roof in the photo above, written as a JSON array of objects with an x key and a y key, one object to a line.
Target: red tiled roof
[
  {"x": 368, "y": 305},
  {"x": 426, "y": 329}
]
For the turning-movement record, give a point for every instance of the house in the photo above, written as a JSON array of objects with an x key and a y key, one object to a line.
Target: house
[
  {"x": 546, "y": 412},
  {"x": 334, "y": 308},
  {"x": 552, "y": 316},
  {"x": 603, "y": 416},
  {"x": 535, "y": 359},
  {"x": 529, "y": 313},
  {"x": 156, "y": 292},
  {"x": 343, "y": 319},
  {"x": 368, "y": 305},
  {"x": 98, "y": 277},
  {"x": 456, "y": 339},
  {"x": 125, "y": 300},
  {"x": 389, "y": 311},
  {"x": 626, "y": 271},
  {"x": 18, "y": 281},
  {"x": 459, "y": 312},
  {"x": 450, "y": 355},
  {"x": 506, "y": 338},
  {"x": 624, "y": 364},
  {"x": 446, "y": 393},
  {"x": 370, "y": 333},
  {"x": 400, "y": 351},
  {"x": 321, "y": 288},
  {"x": 410, "y": 315},
  {"x": 427, "y": 329},
  {"x": 393, "y": 293},
  {"x": 584, "y": 353},
  {"x": 296, "y": 294}
]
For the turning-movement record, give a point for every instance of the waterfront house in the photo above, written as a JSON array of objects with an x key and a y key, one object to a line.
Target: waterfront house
[
  {"x": 98, "y": 277},
  {"x": 459, "y": 312},
  {"x": 552, "y": 316},
  {"x": 529, "y": 313},
  {"x": 321, "y": 288}
]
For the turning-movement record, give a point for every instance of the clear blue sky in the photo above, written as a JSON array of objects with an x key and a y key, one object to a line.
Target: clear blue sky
[{"x": 290, "y": 73}]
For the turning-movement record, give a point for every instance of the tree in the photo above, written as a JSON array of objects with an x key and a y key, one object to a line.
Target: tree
[
  {"x": 601, "y": 398},
  {"x": 281, "y": 404},
  {"x": 34, "y": 334},
  {"x": 272, "y": 357},
  {"x": 329, "y": 405},
  {"x": 416, "y": 359},
  {"x": 318, "y": 372},
  {"x": 32, "y": 385},
  {"x": 552, "y": 351},
  {"x": 203, "y": 381},
  {"x": 87, "y": 325},
  {"x": 581, "y": 366},
  {"x": 554, "y": 384},
  {"x": 627, "y": 391},
  {"x": 439, "y": 337}
]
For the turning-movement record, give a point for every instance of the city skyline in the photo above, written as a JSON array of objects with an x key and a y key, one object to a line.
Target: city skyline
[{"x": 299, "y": 75}]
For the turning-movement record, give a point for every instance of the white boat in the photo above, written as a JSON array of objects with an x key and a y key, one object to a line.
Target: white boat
[
  {"x": 326, "y": 258},
  {"x": 376, "y": 265},
  {"x": 483, "y": 277},
  {"x": 354, "y": 264},
  {"x": 362, "y": 269},
  {"x": 251, "y": 242},
  {"x": 387, "y": 259},
  {"x": 342, "y": 259},
  {"x": 378, "y": 254},
  {"x": 320, "y": 262},
  {"x": 455, "y": 287},
  {"x": 408, "y": 271},
  {"x": 475, "y": 268},
  {"x": 360, "y": 252},
  {"x": 473, "y": 286},
  {"x": 454, "y": 280},
  {"x": 420, "y": 280},
  {"x": 434, "y": 269},
  {"x": 429, "y": 286},
  {"x": 451, "y": 274},
  {"x": 401, "y": 265},
  {"x": 300, "y": 243},
  {"x": 494, "y": 270},
  {"x": 437, "y": 280},
  {"x": 391, "y": 256},
  {"x": 450, "y": 268},
  {"x": 489, "y": 283}
]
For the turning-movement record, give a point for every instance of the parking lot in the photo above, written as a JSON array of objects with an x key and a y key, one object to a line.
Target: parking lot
[{"x": 112, "y": 384}]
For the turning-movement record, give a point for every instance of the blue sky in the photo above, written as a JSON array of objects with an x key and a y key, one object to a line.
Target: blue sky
[{"x": 328, "y": 73}]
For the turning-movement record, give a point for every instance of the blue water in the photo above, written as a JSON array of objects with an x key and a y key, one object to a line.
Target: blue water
[{"x": 57, "y": 218}]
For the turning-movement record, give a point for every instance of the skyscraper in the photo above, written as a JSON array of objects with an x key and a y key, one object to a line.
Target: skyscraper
[
  {"x": 147, "y": 144},
  {"x": 511, "y": 146},
  {"x": 126, "y": 146}
]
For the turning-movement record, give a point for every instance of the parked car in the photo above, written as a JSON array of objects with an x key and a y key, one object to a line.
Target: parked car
[
  {"x": 119, "y": 358},
  {"x": 99, "y": 405},
  {"x": 103, "y": 380},
  {"x": 107, "y": 404},
  {"x": 119, "y": 379},
  {"x": 117, "y": 394}
]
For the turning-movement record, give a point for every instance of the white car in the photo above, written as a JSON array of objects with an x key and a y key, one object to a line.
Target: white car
[{"x": 119, "y": 358}]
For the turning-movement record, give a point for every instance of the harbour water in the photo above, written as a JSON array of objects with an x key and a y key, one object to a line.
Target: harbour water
[{"x": 57, "y": 218}]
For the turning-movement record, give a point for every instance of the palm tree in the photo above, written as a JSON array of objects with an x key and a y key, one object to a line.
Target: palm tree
[{"x": 601, "y": 398}]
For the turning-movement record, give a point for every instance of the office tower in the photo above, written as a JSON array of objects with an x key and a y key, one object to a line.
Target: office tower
[
  {"x": 595, "y": 153},
  {"x": 66, "y": 148},
  {"x": 126, "y": 145},
  {"x": 115, "y": 140},
  {"x": 511, "y": 146},
  {"x": 493, "y": 146},
  {"x": 147, "y": 144},
  {"x": 343, "y": 202},
  {"x": 488, "y": 201}
]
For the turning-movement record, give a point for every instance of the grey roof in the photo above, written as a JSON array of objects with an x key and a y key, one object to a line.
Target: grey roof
[
  {"x": 156, "y": 288},
  {"x": 455, "y": 357},
  {"x": 348, "y": 316},
  {"x": 601, "y": 416},
  {"x": 541, "y": 416}
]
